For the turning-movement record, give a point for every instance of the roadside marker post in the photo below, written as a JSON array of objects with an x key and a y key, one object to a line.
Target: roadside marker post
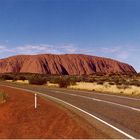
[{"x": 35, "y": 100}]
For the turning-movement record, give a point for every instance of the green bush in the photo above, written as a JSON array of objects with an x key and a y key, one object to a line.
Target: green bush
[
  {"x": 100, "y": 82},
  {"x": 37, "y": 80},
  {"x": 23, "y": 78},
  {"x": 7, "y": 77},
  {"x": 72, "y": 80},
  {"x": 135, "y": 83},
  {"x": 111, "y": 83},
  {"x": 54, "y": 80},
  {"x": 64, "y": 82}
]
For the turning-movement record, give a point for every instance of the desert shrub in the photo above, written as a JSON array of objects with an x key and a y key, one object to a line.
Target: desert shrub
[
  {"x": 23, "y": 78},
  {"x": 86, "y": 78},
  {"x": 7, "y": 77},
  {"x": 135, "y": 83},
  {"x": 64, "y": 82},
  {"x": 136, "y": 75},
  {"x": 99, "y": 74},
  {"x": 72, "y": 80},
  {"x": 90, "y": 79},
  {"x": 15, "y": 78},
  {"x": 133, "y": 93},
  {"x": 78, "y": 79},
  {"x": 37, "y": 80},
  {"x": 118, "y": 81},
  {"x": 122, "y": 86},
  {"x": 83, "y": 78},
  {"x": 54, "y": 80},
  {"x": 3, "y": 96},
  {"x": 111, "y": 83},
  {"x": 100, "y": 82}
]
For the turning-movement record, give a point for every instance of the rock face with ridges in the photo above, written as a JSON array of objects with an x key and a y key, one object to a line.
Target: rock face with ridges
[{"x": 67, "y": 64}]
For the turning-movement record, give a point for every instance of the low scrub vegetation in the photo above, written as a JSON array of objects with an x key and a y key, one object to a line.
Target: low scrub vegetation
[
  {"x": 100, "y": 82},
  {"x": 3, "y": 96},
  {"x": 37, "y": 80},
  {"x": 63, "y": 81},
  {"x": 6, "y": 77}
]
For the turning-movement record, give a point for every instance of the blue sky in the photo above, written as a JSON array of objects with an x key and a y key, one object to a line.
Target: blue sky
[{"x": 108, "y": 28}]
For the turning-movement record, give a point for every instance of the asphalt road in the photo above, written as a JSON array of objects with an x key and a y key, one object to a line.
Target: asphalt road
[{"x": 118, "y": 116}]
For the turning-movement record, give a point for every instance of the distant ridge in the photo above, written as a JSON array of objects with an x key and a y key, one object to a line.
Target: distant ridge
[{"x": 66, "y": 64}]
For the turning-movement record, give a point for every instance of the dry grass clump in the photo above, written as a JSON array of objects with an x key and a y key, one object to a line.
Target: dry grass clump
[
  {"x": 3, "y": 97},
  {"x": 52, "y": 84},
  {"x": 23, "y": 82},
  {"x": 106, "y": 87}
]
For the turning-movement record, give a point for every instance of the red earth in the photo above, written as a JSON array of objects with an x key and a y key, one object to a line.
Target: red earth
[{"x": 19, "y": 119}]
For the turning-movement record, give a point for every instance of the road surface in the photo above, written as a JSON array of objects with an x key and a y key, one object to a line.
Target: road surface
[{"x": 117, "y": 116}]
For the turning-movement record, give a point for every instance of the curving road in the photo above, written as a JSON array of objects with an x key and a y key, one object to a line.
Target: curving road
[{"x": 117, "y": 116}]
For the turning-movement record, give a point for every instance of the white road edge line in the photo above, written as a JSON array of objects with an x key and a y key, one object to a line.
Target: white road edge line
[
  {"x": 117, "y": 129},
  {"x": 104, "y": 122},
  {"x": 100, "y": 100}
]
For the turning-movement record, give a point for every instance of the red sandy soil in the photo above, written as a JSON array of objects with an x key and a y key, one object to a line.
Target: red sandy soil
[{"x": 19, "y": 119}]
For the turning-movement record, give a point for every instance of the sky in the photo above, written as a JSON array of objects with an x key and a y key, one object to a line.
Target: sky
[{"x": 107, "y": 28}]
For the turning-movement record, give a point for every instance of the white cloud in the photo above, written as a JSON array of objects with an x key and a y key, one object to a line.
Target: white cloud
[
  {"x": 5, "y": 49},
  {"x": 45, "y": 48},
  {"x": 124, "y": 55},
  {"x": 117, "y": 52},
  {"x": 2, "y": 47},
  {"x": 30, "y": 49},
  {"x": 110, "y": 50},
  {"x": 121, "y": 53}
]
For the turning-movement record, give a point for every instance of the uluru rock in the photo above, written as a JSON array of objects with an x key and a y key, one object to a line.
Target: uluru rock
[{"x": 68, "y": 64}]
